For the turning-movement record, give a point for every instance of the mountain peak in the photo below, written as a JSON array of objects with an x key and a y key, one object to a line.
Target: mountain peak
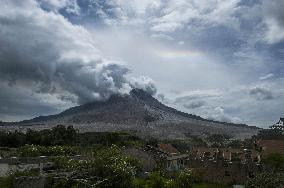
[
  {"x": 139, "y": 93},
  {"x": 133, "y": 112}
]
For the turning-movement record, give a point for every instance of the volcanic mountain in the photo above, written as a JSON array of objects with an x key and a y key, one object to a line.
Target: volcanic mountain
[{"x": 137, "y": 111}]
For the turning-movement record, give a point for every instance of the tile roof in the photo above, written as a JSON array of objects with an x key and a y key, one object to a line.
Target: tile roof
[
  {"x": 272, "y": 146},
  {"x": 168, "y": 148}
]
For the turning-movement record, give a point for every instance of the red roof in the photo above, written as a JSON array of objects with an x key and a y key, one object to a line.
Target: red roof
[
  {"x": 272, "y": 146},
  {"x": 168, "y": 148}
]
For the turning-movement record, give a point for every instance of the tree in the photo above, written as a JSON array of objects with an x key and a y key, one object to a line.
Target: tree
[
  {"x": 110, "y": 168},
  {"x": 218, "y": 140},
  {"x": 156, "y": 180},
  {"x": 275, "y": 161},
  {"x": 266, "y": 180}
]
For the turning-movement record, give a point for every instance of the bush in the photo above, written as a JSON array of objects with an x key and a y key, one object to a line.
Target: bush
[
  {"x": 7, "y": 182},
  {"x": 35, "y": 151},
  {"x": 157, "y": 180},
  {"x": 266, "y": 180},
  {"x": 187, "y": 178},
  {"x": 109, "y": 165},
  {"x": 275, "y": 161}
]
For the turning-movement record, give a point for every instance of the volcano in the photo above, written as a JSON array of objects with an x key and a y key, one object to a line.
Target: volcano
[{"x": 139, "y": 112}]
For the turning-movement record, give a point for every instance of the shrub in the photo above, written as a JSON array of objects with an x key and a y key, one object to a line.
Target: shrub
[{"x": 266, "y": 180}]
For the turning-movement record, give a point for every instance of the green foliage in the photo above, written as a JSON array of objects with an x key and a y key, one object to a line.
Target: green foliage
[
  {"x": 34, "y": 151},
  {"x": 184, "y": 179},
  {"x": 236, "y": 157},
  {"x": 12, "y": 139},
  {"x": 7, "y": 182},
  {"x": 218, "y": 140},
  {"x": 157, "y": 180},
  {"x": 276, "y": 161},
  {"x": 187, "y": 178},
  {"x": 266, "y": 180},
  {"x": 110, "y": 165},
  {"x": 249, "y": 143},
  {"x": 61, "y": 135},
  {"x": 30, "y": 173},
  {"x": 109, "y": 138},
  {"x": 195, "y": 140},
  {"x": 58, "y": 135},
  {"x": 235, "y": 144},
  {"x": 271, "y": 134}
]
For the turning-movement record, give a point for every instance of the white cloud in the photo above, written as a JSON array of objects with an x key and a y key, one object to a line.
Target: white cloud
[
  {"x": 274, "y": 20},
  {"x": 145, "y": 83},
  {"x": 178, "y": 14},
  {"x": 265, "y": 77},
  {"x": 219, "y": 114}
]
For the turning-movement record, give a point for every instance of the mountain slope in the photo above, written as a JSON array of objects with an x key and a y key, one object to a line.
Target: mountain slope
[{"x": 140, "y": 112}]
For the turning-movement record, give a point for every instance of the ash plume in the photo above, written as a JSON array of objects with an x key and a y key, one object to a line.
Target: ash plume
[{"x": 43, "y": 51}]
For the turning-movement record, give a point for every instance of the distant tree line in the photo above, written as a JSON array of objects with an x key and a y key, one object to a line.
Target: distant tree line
[
  {"x": 271, "y": 134},
  {"x": 61, "y": 135}
]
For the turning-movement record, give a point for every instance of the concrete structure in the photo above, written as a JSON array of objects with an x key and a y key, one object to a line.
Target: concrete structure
[
  {"x": 177, "y": 162},
  {"x": 168, "y": 156},
  {"x": 148, "y": 161},
  {"x": 222, "y": 171},
  {"x": 228, "y": 154}
]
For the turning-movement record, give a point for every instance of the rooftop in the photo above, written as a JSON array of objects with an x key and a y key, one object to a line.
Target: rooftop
[
  {"x": 272, "y": 146},
  {"x": 168, "y": 148}
]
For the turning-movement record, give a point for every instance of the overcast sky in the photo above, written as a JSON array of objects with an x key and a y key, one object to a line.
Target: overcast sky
[{"x": 220, "y": 59}]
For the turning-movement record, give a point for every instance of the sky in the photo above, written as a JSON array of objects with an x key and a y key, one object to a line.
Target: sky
[{"x": 219, "y": 59}]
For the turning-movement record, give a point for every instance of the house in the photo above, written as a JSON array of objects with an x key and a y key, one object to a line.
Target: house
[
  {"x": 271, "y": 146},
  {"x": 148, "y": 161},
  {"x": 278, "y": 125},
  {"x": 174, "y": 160},
  {"x": 168, "y": 149},
  {"x": 228, "y": 154},
  {"x": 170, "y": 157}
]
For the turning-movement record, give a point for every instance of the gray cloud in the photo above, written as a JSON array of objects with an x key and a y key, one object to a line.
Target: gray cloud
[
  {"x": 46, "y": 53},
  {"x": 70, "y": 6},
  {"x": 145, "y": 83},
  {"x": 194, "y": 104},
  {"x": 43, "y": 55},
  {"x": 58, "y": 50},
  {"x": 274, "y": 20},
  {"x": 261, "y": 93},
  {"x": 19, "y": 102}
]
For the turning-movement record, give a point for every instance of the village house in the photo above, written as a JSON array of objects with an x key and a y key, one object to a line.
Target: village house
[
  {"x": 226, "y": 165},
  {"x": 174, "y": 160},
  {"x": 169, "y": 156},
  {"x": 271, "y": 146},
  {"x": 279, "y": 125},
  {"x": 227, "y": 154},
  {"x": 148, "y": 161}
]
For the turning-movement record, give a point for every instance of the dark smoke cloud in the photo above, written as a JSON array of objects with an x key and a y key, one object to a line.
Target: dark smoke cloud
[
  {"x": 44, "y": 49},
  {"x": 43, "y": 52}
]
